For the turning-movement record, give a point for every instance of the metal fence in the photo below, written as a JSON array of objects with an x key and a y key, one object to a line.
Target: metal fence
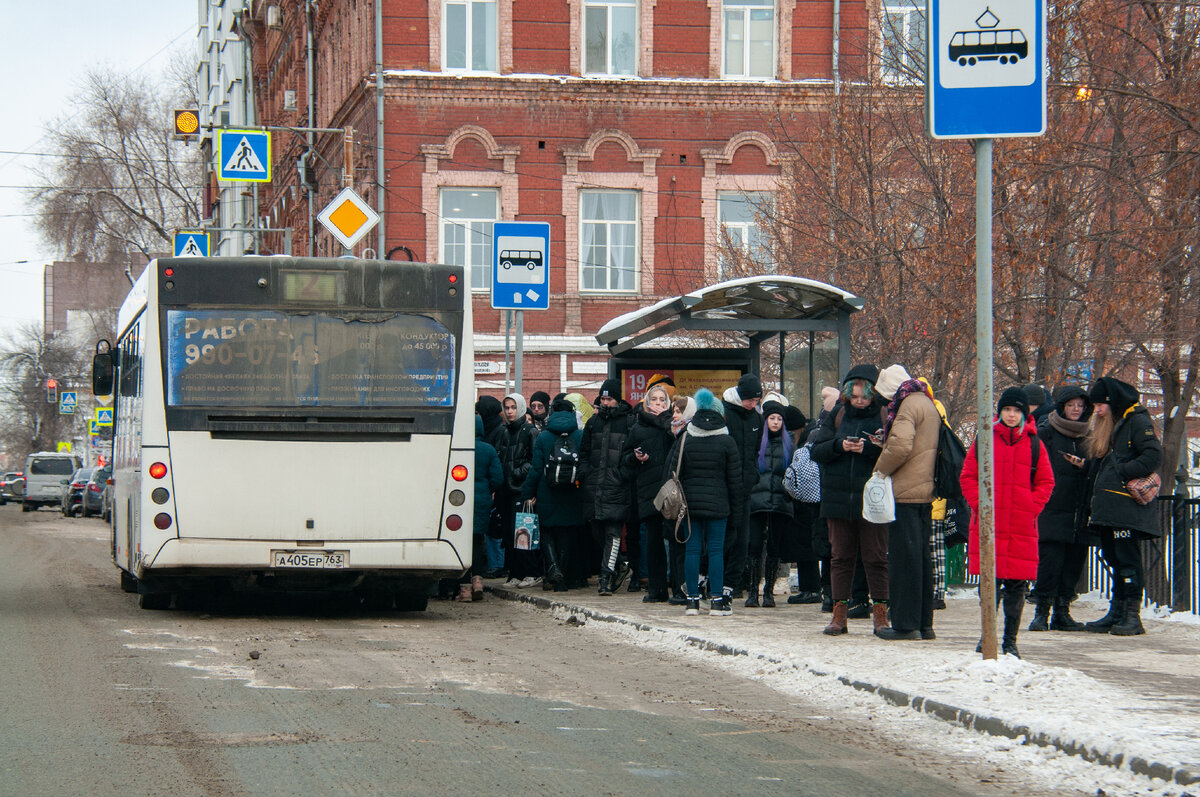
[{"x": 1172, "y": 561}]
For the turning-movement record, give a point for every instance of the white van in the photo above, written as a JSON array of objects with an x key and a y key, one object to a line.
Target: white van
[{"x": 45, "y": 472}]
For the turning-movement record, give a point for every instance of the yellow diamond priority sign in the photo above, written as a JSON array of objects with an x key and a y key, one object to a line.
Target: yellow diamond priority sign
[{"x": 348, "y": 217}]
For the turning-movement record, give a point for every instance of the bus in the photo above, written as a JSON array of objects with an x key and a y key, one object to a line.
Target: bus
[{"x": 293, "y": 424}]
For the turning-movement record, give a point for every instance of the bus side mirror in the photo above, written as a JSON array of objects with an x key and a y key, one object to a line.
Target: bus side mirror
[{"x": 103, "y": 369}]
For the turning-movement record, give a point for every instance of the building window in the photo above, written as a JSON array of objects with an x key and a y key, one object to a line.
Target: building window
[
  {"x": 608, "y": 239},
  {"x": 749, "y": 38},
  {"x": 738, "y": 214},
  {"x": 467, "y": 218},
  {"x": 902, "y": 37},
  {"x": 610, "y": 37},
  {"x": 469, "y": 36}
]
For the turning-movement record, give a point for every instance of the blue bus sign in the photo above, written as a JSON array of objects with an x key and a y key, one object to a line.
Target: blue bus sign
[
  {"x": 985, "y": 68},
  {"x": 521, "y": 265}
]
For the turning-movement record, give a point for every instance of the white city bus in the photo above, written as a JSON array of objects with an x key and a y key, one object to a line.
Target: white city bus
[{"x": 292, "y": 423}]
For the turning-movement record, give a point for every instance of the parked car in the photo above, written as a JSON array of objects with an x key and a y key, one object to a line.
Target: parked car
[
  {"x": 107, "y": 500},
  {"x": 93, "y": 492},
  {"x": 44, "y": 475},
  {"x": 8, "y": 487},
  {"x": 71, "y": 502}
]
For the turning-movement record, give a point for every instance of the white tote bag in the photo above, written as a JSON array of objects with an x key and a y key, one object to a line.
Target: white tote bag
[{"x": 879, "y": 503}]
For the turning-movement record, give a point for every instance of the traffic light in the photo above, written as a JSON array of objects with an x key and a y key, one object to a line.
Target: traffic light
[
  {"x": 51, "y": 391},
  {"x": 187, "y": 123}
]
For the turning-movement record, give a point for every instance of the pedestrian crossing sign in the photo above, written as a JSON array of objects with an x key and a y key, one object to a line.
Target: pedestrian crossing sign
[
  {"x": 244, "y": 155},
  {"x": 104, "y": 416},
  {"x": 191, "y": 243},
  {"x": 66, "y": 402}
]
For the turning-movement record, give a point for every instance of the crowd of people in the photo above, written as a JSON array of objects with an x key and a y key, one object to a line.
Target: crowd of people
[{"x": 568, "y": 490}]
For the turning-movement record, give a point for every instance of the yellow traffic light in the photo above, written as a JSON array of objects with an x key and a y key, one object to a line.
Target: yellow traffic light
[{"x": 186, "y": 122}]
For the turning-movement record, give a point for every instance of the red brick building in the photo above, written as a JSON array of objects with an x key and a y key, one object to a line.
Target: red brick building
[{"x": 640, "y": 130}]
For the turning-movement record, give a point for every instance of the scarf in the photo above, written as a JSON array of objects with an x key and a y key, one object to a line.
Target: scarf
[
  {"x": 1068, "y": 428},
  {"x": 904, "y": 391}
]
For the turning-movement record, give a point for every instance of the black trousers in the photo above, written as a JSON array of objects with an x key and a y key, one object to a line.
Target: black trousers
[
  {"x": 1121, "y": 550},
  {"x": 737, "y": 549},
  {"x": 1059, "y": 566},
  {"x": 656, "y": 553},
  {"x": 910, "y": 568}
]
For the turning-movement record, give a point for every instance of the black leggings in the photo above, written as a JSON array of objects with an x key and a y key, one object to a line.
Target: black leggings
[{"x": 1121, "y": 550}]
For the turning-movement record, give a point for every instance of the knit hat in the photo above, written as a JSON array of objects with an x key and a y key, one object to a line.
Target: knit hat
[
  {"x": 610, "y": 388},
  {"x": 771, "y": 407},
  {"x": 541, "y": 396},
  {"x": 562, "y": 405},
  {"x": 793, "y": 418},
  {"x": 662, "y": 379},
  {"x": 705, "y": 400},
  {"x": 748, "y": 387},
  {"x": 519, "y": 400},
  {"x": 778, "y": 398},
  {"x": 1115, "y": 393},
  {"x": 829, "y": 397},
  {"x": 864, "y": 371},
  {"x": 1014, "y": 397},
  {"x": 890, "y": 380},
  {"x": 1034, "y": 394}
]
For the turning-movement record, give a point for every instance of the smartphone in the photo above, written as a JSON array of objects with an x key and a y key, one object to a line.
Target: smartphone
[{"x": 639, "y": 451}]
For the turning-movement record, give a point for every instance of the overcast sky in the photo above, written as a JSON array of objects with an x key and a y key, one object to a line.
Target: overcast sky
[{"x": 47, "y": 49}]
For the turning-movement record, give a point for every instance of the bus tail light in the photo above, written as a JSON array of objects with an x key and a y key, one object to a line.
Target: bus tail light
[
  {"x": 162, "y": 521},
  {"x": 459, "y": 473},
  {"x": 158, "y": 470},
  {"x": 454, "y": 522}
]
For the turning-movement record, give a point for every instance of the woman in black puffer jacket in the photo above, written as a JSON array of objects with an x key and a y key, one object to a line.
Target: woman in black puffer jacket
[
  {"x": 711, "y": 475},
  {"x": 1061, "y": 555},
  {"x": 771, "y": 507},
  {"x": 645, "y": 466}
]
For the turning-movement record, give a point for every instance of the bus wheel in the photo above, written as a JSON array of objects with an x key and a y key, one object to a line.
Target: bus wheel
[
  {"x": 411, "y": 601},
  {"x": 128, "y": 582},
  {"x": 154, "y": 601}
]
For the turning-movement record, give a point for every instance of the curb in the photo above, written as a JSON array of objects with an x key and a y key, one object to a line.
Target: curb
[{"x": 993, "y": 726}]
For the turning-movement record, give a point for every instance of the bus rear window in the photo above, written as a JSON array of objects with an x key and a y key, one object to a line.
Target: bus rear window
[{"x": 265, "y": 358}]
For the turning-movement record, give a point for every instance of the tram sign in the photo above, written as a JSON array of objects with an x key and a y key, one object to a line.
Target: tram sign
[{"x": 985, "y": 68}]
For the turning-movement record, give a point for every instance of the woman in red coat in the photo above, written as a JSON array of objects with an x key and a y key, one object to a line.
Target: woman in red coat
[{"x": 1022, "y": 489}]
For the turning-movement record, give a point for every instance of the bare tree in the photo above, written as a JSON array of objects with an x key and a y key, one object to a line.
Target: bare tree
[
  {"x": 27, "y": 360},
  {"x": 119, "y": 184}
]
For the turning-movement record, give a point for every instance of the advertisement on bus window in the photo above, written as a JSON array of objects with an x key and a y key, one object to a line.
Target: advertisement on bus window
[{"x": 266, "y": 358}]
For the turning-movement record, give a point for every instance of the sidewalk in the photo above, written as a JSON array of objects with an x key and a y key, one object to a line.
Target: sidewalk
[{"x": 1131, "y": 703}]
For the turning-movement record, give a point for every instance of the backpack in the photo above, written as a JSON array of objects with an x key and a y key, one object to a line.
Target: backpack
[
  {"x": 950, "y": 458},
  {"x": 562, "y": 464},
  {"x": 802, "y": 479}
]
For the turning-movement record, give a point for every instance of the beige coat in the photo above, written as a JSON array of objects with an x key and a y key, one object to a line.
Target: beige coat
[{"x": 910, "y": 453}]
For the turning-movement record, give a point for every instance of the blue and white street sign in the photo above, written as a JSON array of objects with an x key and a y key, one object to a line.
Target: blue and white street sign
[
  {"x": 191, "y": 243},
  {"x": 521, "y": 265},
  {"x": 985, "y": 68},
  {"x": 104, "y": 416},
  {"x": 66, "y": 402},
  {"x": 244, "y": 155}
]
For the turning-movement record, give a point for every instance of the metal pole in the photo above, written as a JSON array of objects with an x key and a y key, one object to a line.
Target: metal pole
[
  {"x": 520, "y": 349},
  {"x": 508, "y": 322},
  {"x": 983, "y": 387}
]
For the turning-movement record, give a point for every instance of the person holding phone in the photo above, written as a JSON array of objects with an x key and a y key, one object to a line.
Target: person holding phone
[
  {"x": 644, "y": 465},
  {"x": 1061, "y": 552}
]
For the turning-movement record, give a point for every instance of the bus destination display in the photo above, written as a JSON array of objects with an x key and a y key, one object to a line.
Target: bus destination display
[{"x": 265, "y": 358}]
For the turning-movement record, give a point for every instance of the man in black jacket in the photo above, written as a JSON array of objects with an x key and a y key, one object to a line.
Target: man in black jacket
[
  {"x": 606, "y": 492},
  {"x": 745, "y": 427}
]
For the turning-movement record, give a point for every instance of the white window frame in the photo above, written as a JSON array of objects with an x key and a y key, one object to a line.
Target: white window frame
[
  {"x": 746, "y": 10},
  {"x": 744, "y": 229},
  {"x": 909, "y": 73},
  {"x": 609, "y": 5},
  {"x": 636, "y": 224},
  {"x": 468, "y": 37},
  {"x": 477, "y": 286}
]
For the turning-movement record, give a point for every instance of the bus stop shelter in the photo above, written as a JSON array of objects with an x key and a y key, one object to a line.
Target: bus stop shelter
[{"x": 802, "y": 326}]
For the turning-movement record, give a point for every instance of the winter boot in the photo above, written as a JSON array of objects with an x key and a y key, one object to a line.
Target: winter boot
[
  {"x": 476, "y": 588},
  {"x": 1131, "y": 621},
  {"x": 826, "y": 599},
  {"x": 837, "y": 624},
  {"x": 859, "y": 611},
  {"x": 1014, "y": 604},
  {"x": 1062, "y": 620},
  {"x": 606, "y": 587},
  {"x": 755, "y": 577},
  {"x": 692, "y": 606},
  {"x": 464, "y": 593},
  {"x": 1041, "y": 616},
  {"x": 879, "y": 617},
  {"x": 1116, "y": 610},
  {"x": 768, "y": 593},
  {"x": 550, "y": 553}
]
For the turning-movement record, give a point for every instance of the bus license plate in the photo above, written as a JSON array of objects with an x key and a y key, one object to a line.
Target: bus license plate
[{"x": 310, "y": 560}]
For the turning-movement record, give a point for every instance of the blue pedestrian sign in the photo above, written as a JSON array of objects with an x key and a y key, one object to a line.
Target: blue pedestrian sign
[
  {"x": 191, "y": 243},
  {"x": 521, "y": 265},
  {"x": 244, "y": 155},
  {"x": 985, "y": 68},
  {"x": 66, "y": 402},
  {"x": 104, "y": 416}
]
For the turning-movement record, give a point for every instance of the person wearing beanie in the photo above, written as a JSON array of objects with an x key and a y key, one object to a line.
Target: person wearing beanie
[
  {"x": 644, "y": 460},
  {"x": 1039, "y": 402},
  {"x": 1061, "y": 554},
  {"x": 607, "y": 500},
  {"x": 539, "y": 409},
  {"x": 847, "y": 446},
  {"x": 909, "y": 455},
  {"x": 711, "y": 476},
  {"x": 829, "y": 397},
  {"x": 1123, "y": 444},
  {"x": 514, "y": 443},
  {"x": 1023, "y": 482},
  {"x": 745, "y": 425},
  {"x": 771, "y": 507}
]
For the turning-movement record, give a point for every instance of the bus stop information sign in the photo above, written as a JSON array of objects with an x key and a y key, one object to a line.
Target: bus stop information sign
[
  {"x": 985, "y": 68},
  {"x": 521, "y": 265}
]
